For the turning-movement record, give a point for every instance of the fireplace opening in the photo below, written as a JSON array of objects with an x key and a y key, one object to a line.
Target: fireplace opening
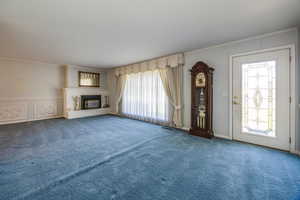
[{"x": 90, "y": 102}]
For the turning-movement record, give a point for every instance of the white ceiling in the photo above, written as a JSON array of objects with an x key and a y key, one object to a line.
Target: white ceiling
[{"x": 108, "y": 33}]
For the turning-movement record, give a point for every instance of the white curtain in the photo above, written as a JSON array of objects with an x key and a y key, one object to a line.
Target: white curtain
[
  {"x": 172, "y": 82},
  {"x": 144, "y": 97},
  {"x": 178, "y": 77},
  {"x": 121, "y": 81}
]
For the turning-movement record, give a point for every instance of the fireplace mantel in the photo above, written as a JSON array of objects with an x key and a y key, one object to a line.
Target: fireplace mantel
[
  {"x": 72, "y": 92},
  {"x": 70, "y": 112}
]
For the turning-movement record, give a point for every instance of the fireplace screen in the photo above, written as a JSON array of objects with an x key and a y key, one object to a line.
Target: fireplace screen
[{"x": 90, "y": 102}]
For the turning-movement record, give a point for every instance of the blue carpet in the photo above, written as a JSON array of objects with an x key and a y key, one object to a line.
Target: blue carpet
[{"x": 108, "y": 157}]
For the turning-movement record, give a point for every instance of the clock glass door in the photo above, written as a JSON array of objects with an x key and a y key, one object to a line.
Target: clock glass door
[{"x": 261, "y": 99}]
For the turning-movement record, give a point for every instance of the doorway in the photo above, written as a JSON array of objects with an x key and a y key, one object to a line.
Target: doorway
[{"x": 261, "y": 98}]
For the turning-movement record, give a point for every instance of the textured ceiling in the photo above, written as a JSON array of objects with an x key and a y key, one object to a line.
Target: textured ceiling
[{"x": 108, "y": 33}]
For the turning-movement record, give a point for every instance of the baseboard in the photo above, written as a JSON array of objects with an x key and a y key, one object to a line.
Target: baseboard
[
  {"x": 295, "y": 152},
  {"x": 114, "y": 113},
  {"x": 222, "y": 136},
  {"x": 185, "y": 128},
  {"x": 31, "y": 120},
  {"x": 215, "y": 135}
]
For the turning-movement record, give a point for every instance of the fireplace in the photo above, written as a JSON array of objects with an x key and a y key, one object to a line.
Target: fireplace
[{"x": 90, "y": 102}]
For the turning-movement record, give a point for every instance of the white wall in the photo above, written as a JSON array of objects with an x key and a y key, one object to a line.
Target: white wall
[
  {"x": 218, "y": 58},
  {"x": 29, "y": 90}
]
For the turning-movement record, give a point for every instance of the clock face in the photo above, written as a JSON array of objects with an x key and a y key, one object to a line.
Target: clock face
[{"x": 200, "y": 80}]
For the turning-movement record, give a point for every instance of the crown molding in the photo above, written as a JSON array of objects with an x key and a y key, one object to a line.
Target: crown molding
[{"x": 245, "y": 40}]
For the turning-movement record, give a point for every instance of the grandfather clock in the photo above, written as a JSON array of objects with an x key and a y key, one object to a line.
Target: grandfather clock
[{"x": 202, "y": 100}]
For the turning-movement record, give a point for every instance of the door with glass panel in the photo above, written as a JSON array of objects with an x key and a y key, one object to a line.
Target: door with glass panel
[{"x": 261, "y": 99}]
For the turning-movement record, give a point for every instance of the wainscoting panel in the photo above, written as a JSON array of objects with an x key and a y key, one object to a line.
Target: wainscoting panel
[
  {"x": 14, "y": 110},
  {"x": 45, "y": 109}
]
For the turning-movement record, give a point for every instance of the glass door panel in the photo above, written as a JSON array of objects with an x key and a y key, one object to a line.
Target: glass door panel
[
  {"x": 261, "y": 98},
  {"x": 258, "y": 98}
]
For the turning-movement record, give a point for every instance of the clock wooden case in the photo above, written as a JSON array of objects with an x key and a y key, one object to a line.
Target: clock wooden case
[{"x": 202, "y": 100}]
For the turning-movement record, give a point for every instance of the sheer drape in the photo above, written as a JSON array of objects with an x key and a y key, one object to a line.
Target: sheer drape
[
  {"x": 121, "y": 81},
  {"x": 178, "y": 77},
  {"x": 144, "y": 97},
  {"x": 172, "y": 83}
]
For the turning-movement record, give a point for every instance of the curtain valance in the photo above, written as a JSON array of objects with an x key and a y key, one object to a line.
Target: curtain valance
[{"x": 160, "y": 63}]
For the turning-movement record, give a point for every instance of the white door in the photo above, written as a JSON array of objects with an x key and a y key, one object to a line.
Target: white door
[{"x": 261, "y": 99}]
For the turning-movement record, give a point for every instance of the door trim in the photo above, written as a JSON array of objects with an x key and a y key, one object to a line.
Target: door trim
[{"x": 292, "y": 80}]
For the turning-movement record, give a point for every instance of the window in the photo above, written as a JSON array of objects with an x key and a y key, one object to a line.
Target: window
[
  {"x": 144, "y": 97},
  {"x": 259, "y": 87}
]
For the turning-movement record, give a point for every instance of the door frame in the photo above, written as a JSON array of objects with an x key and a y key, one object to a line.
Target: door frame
[{"x": 292, "y": 80}]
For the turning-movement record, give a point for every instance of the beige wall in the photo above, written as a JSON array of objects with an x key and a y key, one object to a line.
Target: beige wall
[
  {"x": 30, "y": 90},
  {"x": 20, "y": 79}
]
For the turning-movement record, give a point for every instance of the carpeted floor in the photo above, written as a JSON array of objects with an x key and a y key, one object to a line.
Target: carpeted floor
[{"x": 111, "y": 158}]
